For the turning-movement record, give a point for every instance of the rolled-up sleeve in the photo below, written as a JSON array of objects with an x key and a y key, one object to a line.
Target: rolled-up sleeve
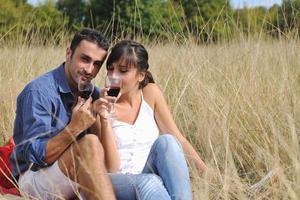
[{"x": 35, "y": 123}]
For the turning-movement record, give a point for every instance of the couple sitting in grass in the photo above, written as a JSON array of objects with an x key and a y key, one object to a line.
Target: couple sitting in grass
[{"x": 68, "y": 143}]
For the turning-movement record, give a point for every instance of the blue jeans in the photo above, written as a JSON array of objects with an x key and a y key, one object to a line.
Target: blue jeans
[{"x": 165, "y": 175}]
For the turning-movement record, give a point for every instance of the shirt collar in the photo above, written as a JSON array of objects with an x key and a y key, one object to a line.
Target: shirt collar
[{"x": 60, "y": 78}]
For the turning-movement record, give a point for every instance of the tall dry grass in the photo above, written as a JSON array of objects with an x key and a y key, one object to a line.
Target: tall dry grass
[{"x": 238, "y": 103}]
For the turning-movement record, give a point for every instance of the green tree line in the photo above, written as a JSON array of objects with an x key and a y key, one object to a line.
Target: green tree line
[{"x": 203, "y": 20}]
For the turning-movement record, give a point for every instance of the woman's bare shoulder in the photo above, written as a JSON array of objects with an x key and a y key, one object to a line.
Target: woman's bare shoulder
[
  {"x": 151, "y": 87},
  {"x": 151, "y": 92}
]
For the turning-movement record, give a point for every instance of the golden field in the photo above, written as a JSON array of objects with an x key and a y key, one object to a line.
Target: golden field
[{"x": 238, "y": 103}]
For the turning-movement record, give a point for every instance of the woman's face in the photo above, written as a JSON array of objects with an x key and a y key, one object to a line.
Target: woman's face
[{"x": 131, "y": 77}]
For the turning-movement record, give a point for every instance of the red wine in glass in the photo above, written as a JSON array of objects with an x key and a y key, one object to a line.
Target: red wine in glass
[
  {"x": 114, "y": 84},
  {"x": 85, "y": 94},
  {"x": 85, "y": 88},
  {"x": 113, "y": 91}
]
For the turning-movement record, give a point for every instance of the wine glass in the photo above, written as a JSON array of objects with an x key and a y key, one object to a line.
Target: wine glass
[
  {"x": 113, "y": 83},
  {"x": 85, "y": 88}
]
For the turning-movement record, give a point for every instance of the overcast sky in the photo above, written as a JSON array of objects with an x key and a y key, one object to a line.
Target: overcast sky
[{"x": 235, "y": 3}]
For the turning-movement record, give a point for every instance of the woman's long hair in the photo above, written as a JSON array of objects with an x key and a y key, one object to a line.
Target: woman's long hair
[{"x": 135, "y": 54}]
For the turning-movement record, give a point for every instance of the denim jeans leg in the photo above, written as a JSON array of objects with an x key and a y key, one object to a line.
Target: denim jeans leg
[
  {"x": 139, "y": 186},
  {"x": 167, "y": 160}
]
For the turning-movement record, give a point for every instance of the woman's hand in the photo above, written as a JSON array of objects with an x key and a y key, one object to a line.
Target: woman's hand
[{"x": 102, "y": 105}]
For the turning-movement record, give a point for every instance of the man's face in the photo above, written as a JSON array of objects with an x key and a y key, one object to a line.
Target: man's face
[{"x": 84, "y": 63}]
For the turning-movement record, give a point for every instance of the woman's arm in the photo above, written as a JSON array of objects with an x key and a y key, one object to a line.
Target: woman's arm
[
  {"x": 106, "y": 136},
  {"x": 112, "y": 158},
  {"x": 166, "y": 123},
  {"x": 96, "y": 127}
]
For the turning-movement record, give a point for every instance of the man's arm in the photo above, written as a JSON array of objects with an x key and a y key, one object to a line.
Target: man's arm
[
  {"x": 37, "y": 141},
  {"x": 82, "y": 118}
]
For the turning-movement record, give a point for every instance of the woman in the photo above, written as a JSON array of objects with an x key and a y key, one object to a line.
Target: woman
[{"x": 153, "y": 164}]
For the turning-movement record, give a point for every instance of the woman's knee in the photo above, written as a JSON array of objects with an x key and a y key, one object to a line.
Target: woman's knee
[{"x": 167, "y": 142}]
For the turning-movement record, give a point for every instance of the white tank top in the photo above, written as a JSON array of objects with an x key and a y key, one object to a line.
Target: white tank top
[{"x": 134, "y": 141}]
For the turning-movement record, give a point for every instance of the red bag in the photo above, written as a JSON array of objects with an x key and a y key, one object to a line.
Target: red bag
[
  {"x": 5, "y": 165},
  {"x": 13, "y": 191},
  {"x": 7, "y": 185}
]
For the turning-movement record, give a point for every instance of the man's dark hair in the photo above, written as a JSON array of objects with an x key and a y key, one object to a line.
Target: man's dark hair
[{"x": 90, "y": 35}]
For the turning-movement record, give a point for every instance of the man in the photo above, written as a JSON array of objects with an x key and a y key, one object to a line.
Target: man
[{"x": 49, "y": 160}]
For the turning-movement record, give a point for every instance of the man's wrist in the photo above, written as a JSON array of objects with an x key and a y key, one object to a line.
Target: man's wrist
[{"x": 73, "y": 130}]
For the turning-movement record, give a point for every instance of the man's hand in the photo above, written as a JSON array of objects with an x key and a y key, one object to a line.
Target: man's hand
[
  {"x": 82, "y": 116},
  {"x": 81, "y": 119}
]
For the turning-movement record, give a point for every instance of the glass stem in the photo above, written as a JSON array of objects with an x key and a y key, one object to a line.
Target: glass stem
[{"x": 112, "y": 108}]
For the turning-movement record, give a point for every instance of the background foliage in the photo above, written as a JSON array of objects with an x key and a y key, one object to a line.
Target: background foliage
[{"x": 203, "y": 20}]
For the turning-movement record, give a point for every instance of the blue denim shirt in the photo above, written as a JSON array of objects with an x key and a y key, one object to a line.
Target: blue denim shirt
[{"x": 43, "y": 110}]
